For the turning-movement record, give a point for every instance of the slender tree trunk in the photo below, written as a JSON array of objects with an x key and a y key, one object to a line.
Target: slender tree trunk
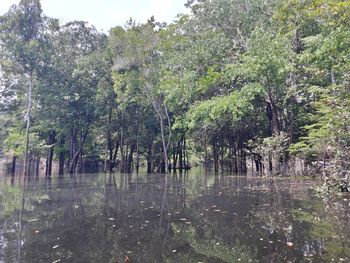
[
  {"x": 13, "y": 165},
  {"x": 275, "y": 125},
  {"x": 51, "y": 141},
  {"x": 205, "y": 153},
  {"x": 74, "y": 161},
  {"x": 115, "y": 154},
  {"x": 106, "y": 153},
  {"x": 176, "y": 155},
  {"x": 109, "y": 140},
  {"x": 181, "y": 161},
  {"x": 333, "y": 78},
  {"x": 137, "y": 151},
  {"x": 222, "y": 156},
  {"x": 130, "y": 161},
  {"x": 165, "y": 150},
  {"x": 81, "y": 161},
  {"x": 185, "y": 154},
  {"x": 61, "y": 158},
  {"x": 37, "y": 166},
  {"x": 215, "y": 156},
  {"x": 73, "y": 145},
  {"x": 29, "y": 109},
  {"x": 235, "y": 158},
  {"x": 122, "y": 155}
]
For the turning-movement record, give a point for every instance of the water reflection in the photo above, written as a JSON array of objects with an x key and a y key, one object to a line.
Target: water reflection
[{"x": 193, "y": 217}]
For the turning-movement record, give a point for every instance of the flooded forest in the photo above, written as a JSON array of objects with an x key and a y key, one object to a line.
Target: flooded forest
[{"x": 223, "y": 136}]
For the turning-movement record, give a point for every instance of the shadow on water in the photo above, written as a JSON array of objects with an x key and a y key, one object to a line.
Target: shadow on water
[{"x": 181, "y": 217}]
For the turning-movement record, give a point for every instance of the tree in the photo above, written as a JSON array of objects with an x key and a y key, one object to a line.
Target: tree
[{"x": 22, "y": 36}]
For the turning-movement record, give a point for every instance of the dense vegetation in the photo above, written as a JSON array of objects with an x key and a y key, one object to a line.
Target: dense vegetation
[{"x": 233, "y": 84}]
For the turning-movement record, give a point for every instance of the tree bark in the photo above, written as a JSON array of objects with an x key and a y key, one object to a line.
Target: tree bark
[
  {"x": 51, "y": 141},
  {"x": 61, "y": 158},
  {"x": 74, "y": 161},
  {"x": 29, "y": 109},
  {"x": 130, "y": 159},
  {"x": 275, "y": 125},
  {"x": 215, "y": 156},
  {"x": 13, "y": 165}
]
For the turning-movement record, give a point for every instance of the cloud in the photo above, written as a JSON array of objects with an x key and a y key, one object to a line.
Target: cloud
[{"x": 161, "y": 9}]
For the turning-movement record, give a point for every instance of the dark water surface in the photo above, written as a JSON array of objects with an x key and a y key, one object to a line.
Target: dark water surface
[{"x": 178, "y": 218}]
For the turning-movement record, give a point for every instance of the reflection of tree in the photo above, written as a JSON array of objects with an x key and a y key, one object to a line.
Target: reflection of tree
[
  {"x": 104, "y": 218},
  {"x": 212, "y": 248},
  {"x": 325, "y": 237}
]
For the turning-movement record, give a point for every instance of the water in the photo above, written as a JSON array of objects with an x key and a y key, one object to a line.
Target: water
[{"x": 183, "y": 218}]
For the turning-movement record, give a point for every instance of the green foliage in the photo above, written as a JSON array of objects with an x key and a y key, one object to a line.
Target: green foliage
[{"x": 263, "y": 80}]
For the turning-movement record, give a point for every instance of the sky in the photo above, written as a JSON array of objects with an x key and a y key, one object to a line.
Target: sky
[{"x": 104, "y": 14}]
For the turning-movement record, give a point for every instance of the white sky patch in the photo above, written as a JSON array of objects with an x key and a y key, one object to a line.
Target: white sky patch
[
  {"x": 5, "y": 5},
  {"x": 105, "y": 14},
  {"x": 161, "y": 9}
]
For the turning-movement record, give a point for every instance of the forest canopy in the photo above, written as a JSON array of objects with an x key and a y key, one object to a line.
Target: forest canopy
[{"x": 233, "y": 85}]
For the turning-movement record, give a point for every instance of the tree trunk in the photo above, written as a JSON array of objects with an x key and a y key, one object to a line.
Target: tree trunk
[
  {"x": 165, "y": 148},
  {"x": 51, "y": 141},
  {"x": 37, "y": 165},
  {"x": 29, "y": 109},
  {"x": 181, "y": 161},
  {"x": 74, "y": 162},
  {"x": 275, "y": 125},
  {"x": 115, "y": 154},
  {"x": 130, "y": 159},
  {"x": 61, "y": 158},
  {"x": 205, "y": 153},
  {"x": 109, "y": 140},
  {"x": 215, "y": 156},
  {"x": 137, "y": 151},
  {"x": 13, "y": 165},
  {"x": 105, "y": 163},
  {"x": 81, "y": 162}
]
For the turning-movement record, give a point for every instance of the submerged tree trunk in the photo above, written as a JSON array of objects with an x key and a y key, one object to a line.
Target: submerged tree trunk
[
  {"x": 28, "y": 113},
  {"x": 137, "y": 166},
  {"x": 109, "y": 142},
  {"x": 13, "y": 165},
  {"x": 215, "y": 156},
  {"x": 114, "y": 156},
  {"x": 61, "y": 158},
  {"x": 51, "y": 141},
  {"x": 74, "y": 162},
  {"x": 105, "y": 162},
  {"x": 37, "y": 165},
  {"x": 150, "y": 159},
  {"x": 81, "y": 162},
  {"x": 130, "y": 160}
]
